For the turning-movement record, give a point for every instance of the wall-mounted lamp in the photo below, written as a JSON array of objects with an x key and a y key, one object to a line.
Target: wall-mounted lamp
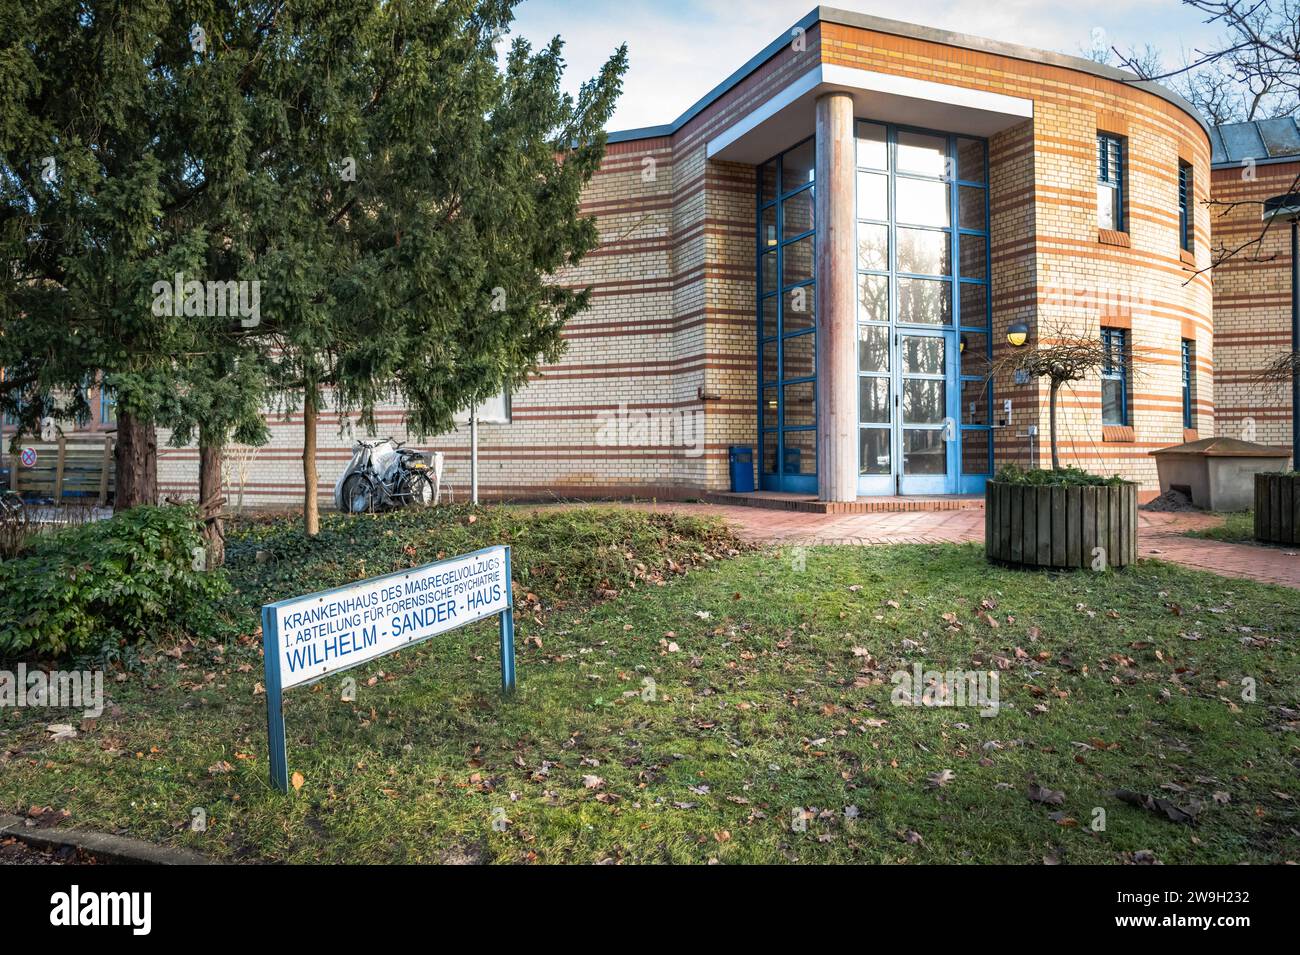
[{"x": 1018, "y": 334}]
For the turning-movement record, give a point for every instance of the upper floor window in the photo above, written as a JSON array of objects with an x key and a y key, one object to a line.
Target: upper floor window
[
  {"x": 1186, "y": 218},
  {"x": 1110, "y": 182},
  {"x": 107, "y": 405},
  {"x": 1188, "y": 364},
  {"x": 10, "y": 418},
  {"x": 1114, "y": 376}
]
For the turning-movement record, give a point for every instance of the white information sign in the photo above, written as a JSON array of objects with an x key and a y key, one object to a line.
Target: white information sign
[{"x": 338, "y": 629}]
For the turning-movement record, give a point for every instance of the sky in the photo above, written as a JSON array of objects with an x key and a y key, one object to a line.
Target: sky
[{"x": 678, "y": 50}]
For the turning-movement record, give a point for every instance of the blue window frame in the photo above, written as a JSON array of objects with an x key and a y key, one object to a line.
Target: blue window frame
[
  {"x": 923, "y": 264},
  {"x": 1186, "y": 218},
  {"x": 1114, "y": 376},
  {"x": 1110, "y": 182},
  {"x": 1188, "y": 361},
  {"x": 787, "y": 335},
  {"x": 107, "y": 405},
  {"x": 10, "y": 419}
]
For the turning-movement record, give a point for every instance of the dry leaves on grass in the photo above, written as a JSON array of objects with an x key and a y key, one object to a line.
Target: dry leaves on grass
[{"x": 1161, "y": 806}]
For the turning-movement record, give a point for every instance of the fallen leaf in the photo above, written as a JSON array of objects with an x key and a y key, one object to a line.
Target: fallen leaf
[
  {"x": 940, "y": 779},
  {"x": 1049, "y": 797}
]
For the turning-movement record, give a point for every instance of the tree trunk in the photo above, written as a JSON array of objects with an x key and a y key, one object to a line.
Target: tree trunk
[
  {"x": 135, "y": 462},
  {"x": 1056, "y": 456},
  {"x": 310, "y": 505},
  {"x": 211, "y": 500}
]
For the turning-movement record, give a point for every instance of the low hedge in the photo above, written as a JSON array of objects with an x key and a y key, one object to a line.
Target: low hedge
[
  {"x": 94, "y": 586},
  {"x": 1058, "y": 477}
]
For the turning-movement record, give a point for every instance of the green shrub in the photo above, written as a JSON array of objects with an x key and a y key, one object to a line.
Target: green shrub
[
  {"x": 559, "y": 554},
  {"x": 86, "y": 588},
  {"x": 1061, "y": 477}
]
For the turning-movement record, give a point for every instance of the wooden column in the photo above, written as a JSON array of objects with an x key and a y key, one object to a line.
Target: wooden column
[{"x": 837, "y": 378}]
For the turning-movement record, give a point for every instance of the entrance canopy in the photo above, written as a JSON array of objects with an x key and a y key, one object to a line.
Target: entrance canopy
[{"x": 789, "y": 115}]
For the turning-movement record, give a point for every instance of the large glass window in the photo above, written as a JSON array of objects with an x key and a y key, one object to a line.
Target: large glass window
[
  {"x": 923, "y": 260},
  {"x": 787, "y": 321}
]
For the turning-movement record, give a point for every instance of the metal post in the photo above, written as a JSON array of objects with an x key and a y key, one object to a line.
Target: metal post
[
  {"x": 473, "y": 456},
  {"x": 508, "y": 635},
  {"x": 279, "y": 768},
  {"x": 1295, "y": 343}
]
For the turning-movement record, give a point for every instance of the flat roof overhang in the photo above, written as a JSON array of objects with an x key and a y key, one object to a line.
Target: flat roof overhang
[
  {"x": 789, "y": 115},
  {"x": 914, "y": 32}
]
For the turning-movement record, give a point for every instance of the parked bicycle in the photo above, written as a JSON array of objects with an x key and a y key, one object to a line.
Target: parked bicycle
[
  {"x": 384, "y": 474},
  {"x": 11, "y": 505}
]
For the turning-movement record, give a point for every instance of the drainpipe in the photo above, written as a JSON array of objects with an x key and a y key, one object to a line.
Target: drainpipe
[
  {"x": 1295, "y": 343},
  {"x": 837, "y": 377},
  {"x": 473, "y": 456}
]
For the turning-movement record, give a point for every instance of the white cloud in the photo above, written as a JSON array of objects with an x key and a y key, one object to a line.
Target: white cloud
[{"x": 678, "y": 50}]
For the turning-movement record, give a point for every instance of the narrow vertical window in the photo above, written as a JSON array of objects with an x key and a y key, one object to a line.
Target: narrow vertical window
[
  {"x": 1186, "y": 218},
  {"x": 1110, "y": 182},
  {"x": 1114, "y": 377},
  {"x": 10, "y": 419},
  {"x": 1188, "y": 365}
]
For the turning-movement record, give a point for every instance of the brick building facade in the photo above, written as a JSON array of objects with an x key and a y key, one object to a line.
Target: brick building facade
[
  {"x": 1252, "y": 289},
  {"x": 821, "y": 255}
]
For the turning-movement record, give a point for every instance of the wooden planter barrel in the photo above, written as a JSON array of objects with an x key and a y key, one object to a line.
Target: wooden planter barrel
[
  {"x": 1034, "y": 526},
  {"x": 1277, "y": 508}
]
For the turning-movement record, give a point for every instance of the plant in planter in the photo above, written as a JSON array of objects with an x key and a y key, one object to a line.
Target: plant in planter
[{"x": 1062, "y": 517}]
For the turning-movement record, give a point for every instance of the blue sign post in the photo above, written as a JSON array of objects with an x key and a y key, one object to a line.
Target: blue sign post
[{"x": 305, "y": 639}]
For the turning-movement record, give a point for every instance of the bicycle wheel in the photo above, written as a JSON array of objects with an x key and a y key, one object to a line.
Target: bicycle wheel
[
  {"x": 418, "y": 491},
  {"x": 359, "y": 494}
]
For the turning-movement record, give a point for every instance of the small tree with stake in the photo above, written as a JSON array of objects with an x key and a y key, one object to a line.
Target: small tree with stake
[{"x": 1062, "y": 359}]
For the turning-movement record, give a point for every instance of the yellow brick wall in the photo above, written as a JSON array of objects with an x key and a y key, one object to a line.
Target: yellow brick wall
[{"x": 1252, "y": 302}]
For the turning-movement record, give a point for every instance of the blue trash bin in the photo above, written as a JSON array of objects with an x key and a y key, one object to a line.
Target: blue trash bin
[{"x": 742, "y": 467}]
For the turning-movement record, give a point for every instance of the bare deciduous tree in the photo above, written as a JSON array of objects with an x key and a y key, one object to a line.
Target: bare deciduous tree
[{"x": 1252, "y": 73}]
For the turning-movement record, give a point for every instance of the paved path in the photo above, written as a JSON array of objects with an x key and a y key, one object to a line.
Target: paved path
[{"x": 1159, "y": 535}]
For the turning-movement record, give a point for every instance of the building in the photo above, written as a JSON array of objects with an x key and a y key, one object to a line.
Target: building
[
  {"x": 1252, "y": 290},
  {"x": 819, "y": 258}
]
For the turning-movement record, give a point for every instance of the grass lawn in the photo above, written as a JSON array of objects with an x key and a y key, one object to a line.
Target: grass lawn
[
  {"x": 767, "y": 733},
  {"x": 1238, "y": 527}
]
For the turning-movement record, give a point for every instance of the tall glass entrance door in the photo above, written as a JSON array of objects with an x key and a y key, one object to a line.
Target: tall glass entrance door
[{"x": 907, "y": 438}]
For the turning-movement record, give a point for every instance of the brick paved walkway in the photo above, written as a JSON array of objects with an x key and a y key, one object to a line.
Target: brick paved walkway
[{"x": 1159, "y": 535}]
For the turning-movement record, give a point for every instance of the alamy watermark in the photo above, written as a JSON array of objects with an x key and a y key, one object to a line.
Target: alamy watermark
[
  {"x": 57, "y": 689},
  {"x": 657, "y": 429},
  {"x": 194, "y": 299},
  {"x": 953, "y": 688}
]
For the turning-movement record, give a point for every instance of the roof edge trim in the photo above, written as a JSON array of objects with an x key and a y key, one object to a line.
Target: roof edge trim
[{"x": 911, "y": 31}]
